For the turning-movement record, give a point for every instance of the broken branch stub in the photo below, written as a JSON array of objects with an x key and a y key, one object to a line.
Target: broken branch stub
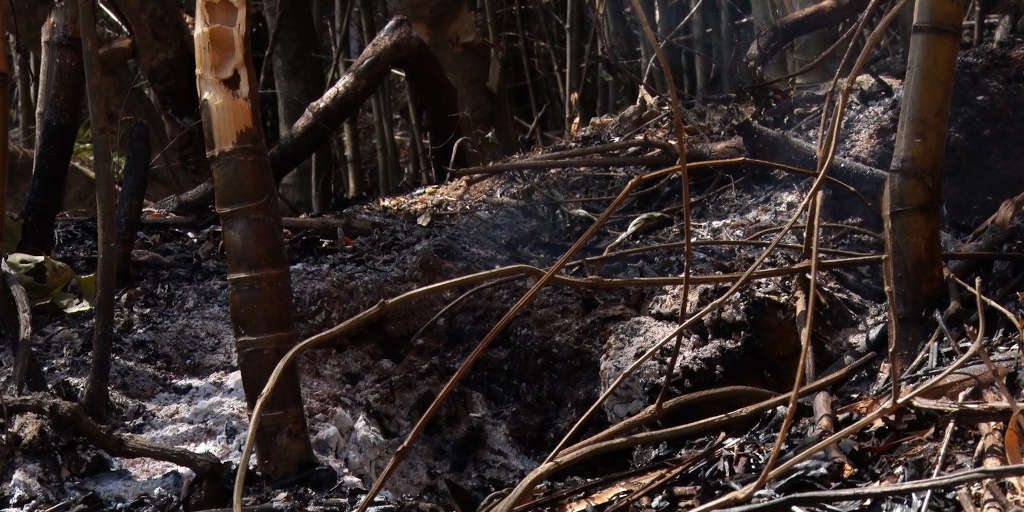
[{"x": 258, "y": 280}]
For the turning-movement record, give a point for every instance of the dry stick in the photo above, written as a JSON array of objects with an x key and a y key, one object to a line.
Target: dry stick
[
  {"x": 875, "y": 36},
  {"x": 882, "y": 491},
  {"x": 96, "y": 394},
  {"x": 805, "y": 347},
  {"x": 650, "y": 414},
  {"x": 587, "y": 450},
  {"x": 700, "y": 243},
  {"x": 807, "y": 301},
  {"x": 684, "y": 175},
  {"x": 869, "y": 418},
  {"x": 463, "y": 369},
  {"x": 669, "y": 475},
  {"x": 526, "y": 67},
  {"x": 946, "y": 437},
  {"x": 547, "y": 277},
  {"x": 819, "y": 181},
  {"x": 830, "y": 225},
  {"x": 24, "y": 308},
  {"x": 545, "y": 164}
]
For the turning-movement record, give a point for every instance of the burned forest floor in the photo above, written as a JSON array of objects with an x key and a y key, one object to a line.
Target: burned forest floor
[{"x": 175, "y": 381}]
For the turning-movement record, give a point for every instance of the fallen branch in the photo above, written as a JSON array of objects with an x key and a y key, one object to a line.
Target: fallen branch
[
  {"x": 882, "y": 491},
  {"x": 732, "y": 148},
  {"x": 586, "y": 450},
  {"x": 768, "y": 143},
  {"x": 119, "y": 445},
  {"x": 24, "y": 309}
]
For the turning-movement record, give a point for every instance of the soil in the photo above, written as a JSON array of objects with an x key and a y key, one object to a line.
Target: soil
[{"x": 174, "y": 379}]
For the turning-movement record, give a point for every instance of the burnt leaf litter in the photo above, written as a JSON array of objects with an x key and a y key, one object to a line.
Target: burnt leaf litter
[{"x": 174, "y": 379}]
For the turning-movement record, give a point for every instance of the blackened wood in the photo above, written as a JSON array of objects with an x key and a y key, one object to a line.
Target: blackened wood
[
  {"x": 97, "y": 393},
  {"x": 58, "y": 114},
  {"x": 129, "y": 203}
]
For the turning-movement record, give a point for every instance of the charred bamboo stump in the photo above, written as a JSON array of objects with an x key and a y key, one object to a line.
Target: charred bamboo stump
[
  {"x": 258, "y": 280},
  {"x": 58, "y": 114}
]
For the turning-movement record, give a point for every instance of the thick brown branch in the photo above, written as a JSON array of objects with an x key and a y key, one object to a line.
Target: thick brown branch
[{"x": 118, "y": 445}]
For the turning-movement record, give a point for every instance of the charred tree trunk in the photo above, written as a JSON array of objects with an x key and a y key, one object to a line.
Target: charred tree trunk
[
  {"x": 912, "y": 191},
  {"x": 129, "y": 203},
  {"x": 449, "y": 28},
  {"x": 164, "y": 52},
  {"x": 58, "y": 115},
  {"x": 396, "y": 45},
  {"x": 259, "y": 284},
  {"x": 298, "y": 79},
  {"x": 97, "y": 392}
]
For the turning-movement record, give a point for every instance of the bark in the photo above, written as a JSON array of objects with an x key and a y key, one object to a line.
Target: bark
[
  {"x": 164, "y": 52},
  {"x": 449, "y": 27},
  {"x": 912, "y": 191},
  {"x": 58, "y": 114},
  {"x": 396, "y": 45},
  {"x": 298, "y": 80},
  {"x": 97, "y": 394},
  {"x": 258, "y": 279},
  {"x": 129, "y": 203},
  {"x": 823, "y": 14}
]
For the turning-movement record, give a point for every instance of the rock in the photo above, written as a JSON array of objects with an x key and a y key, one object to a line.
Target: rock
[
  {"x": 365, "y": 449},
  {"x": 328, "y": 442},
  {"x": 343, "y": 421},
  {"x": 627, "y": 342}
]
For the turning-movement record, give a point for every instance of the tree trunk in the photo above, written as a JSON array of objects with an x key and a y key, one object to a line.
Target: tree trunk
[
  {"x": 129, "y": 203},
  {"x": 298, "y": 80},
  {"x": 97, "y": 392},
  {"x": 164, "y": 52},
  {"x": 258, "y": 279},
  {"x": 58, "y": 113},
  {"x": 449, "y": 28},
  {"x": 912, "y": 191}
]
